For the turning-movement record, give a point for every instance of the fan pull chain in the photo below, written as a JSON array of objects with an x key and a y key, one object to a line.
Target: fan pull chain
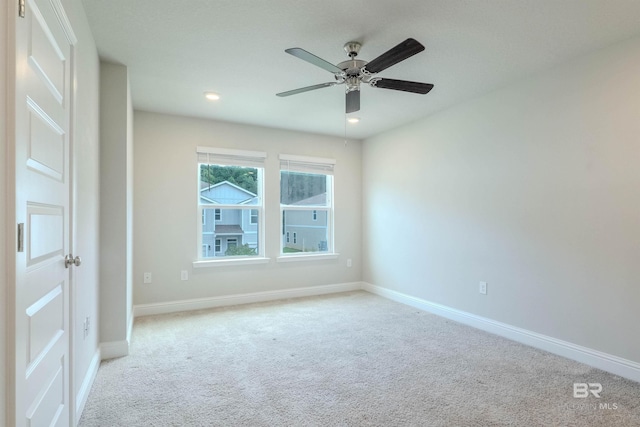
[{"x": 345, "y": 130}]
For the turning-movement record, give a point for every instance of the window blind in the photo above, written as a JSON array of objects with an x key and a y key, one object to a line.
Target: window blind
[
  {"x": 230, "y": 157},
  {"x": 305, "y": 164}
]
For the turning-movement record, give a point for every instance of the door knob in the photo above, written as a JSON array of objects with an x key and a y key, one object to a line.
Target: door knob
[{"x": 69, "y": 260}]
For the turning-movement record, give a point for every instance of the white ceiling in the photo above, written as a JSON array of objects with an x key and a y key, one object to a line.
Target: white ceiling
[{"x": 177, "y": 50}]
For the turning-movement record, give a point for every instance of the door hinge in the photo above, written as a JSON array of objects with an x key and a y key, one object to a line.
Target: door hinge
[
  {"x": 21, "y": 237},
  {"x": 21, "y": 8}
]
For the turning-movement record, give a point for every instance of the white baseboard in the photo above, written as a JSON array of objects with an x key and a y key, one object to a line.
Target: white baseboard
[
  {"x": 112, "y": 349},
  {"x": 130, "y": 326},
  {"x": 85, "y": 388},
  {"x": 204, "y": 303},
  {"x": 607, "y": 362}
]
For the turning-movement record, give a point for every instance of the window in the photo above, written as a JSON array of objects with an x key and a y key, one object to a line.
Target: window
[
  {"x": 306, "y": 204},
  {"x": 230, "y": 202}
]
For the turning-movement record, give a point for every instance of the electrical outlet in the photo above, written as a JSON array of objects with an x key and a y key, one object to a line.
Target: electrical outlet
[
  {"x": 483, "y": 288},
  {"x": 184, "y": 275},
  {"x": 349, "y": 263},
  {"x": 147, "y": 277}
]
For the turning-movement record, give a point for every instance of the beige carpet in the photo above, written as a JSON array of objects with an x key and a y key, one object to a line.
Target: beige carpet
[{"x": 351, "y": 359}]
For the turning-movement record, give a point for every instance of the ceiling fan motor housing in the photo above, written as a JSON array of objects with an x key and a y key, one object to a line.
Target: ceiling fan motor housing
[{"x": 352, "y": 67}]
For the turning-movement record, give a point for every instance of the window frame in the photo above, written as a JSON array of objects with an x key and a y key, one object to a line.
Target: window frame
[
  {"x": 309, "y": 165},
  {"x": 241, "y": 158}
]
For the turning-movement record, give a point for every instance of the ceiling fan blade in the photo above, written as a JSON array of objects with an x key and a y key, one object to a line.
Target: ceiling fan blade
[
  {"x": 353, "y": 101},
  {"x": 414, "y": 87},
  {"x": 312, "y": 59},
  {"x": 306, "y": 89},
  {"x": 404, "y": 50}
]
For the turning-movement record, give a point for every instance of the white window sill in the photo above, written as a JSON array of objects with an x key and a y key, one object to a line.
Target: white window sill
[
  {"x": 229, "y": 262},
  {"x": 314, "y": 257}
]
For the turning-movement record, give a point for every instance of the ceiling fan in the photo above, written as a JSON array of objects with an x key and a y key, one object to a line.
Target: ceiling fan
[{"x": 353, "y": 72}]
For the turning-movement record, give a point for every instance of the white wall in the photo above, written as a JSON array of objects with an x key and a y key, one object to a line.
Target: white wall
[
  {"x": 3, "y": 206},
  {"x": 115, "y": 203},
  {"x": 165, "y": 214},
  {"x": 86, "y": 203},
  {"x": 535, "y": 189}
]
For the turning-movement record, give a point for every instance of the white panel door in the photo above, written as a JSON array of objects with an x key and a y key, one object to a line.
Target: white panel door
[{"x": 42, "y": 97}]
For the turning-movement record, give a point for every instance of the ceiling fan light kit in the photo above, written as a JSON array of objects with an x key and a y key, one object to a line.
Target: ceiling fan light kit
[{"x": 353, "y": 72}]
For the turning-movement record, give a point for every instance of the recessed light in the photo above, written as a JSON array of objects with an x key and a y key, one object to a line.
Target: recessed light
[
  {"x": 211, "y": 96},
  {"x": 353, "y": 119}
]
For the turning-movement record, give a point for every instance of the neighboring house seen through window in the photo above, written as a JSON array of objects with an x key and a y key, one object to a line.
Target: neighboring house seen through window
[
  {"x": 230, "y": 203},
  {"x": 306, "y": 204}
]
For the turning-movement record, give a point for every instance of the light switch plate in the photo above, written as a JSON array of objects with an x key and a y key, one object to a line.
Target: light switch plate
[{"x": 483, "y": 288}]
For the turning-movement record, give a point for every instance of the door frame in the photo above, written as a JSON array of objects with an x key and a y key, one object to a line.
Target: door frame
[
  {"x": 5, "y": 230},
  {"x": 10, "y": 209}
]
